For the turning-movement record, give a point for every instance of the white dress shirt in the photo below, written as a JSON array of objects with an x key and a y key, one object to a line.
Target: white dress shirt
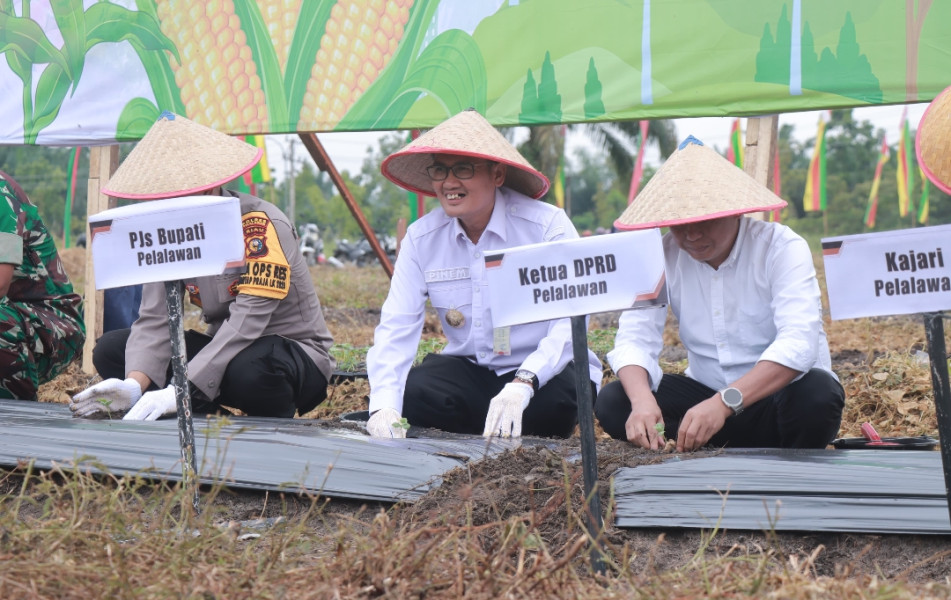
[
  {"x": 763, "y": 303},
  {"x": 438, "y": 261}
]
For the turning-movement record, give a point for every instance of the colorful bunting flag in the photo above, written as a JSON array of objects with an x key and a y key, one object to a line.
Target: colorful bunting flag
[
  {"x": 558, "y": 190},
  {"x": 73, "y": 169},
  {"x": 872, "y": 209},
  {"x": 558, "y": 186},
  {"x": 735, "y": 153},
  {"x": 260, "y": 173},
  {"x": 905, "y": 181},
  {"x": 638, "y": 164},
  {"x": 925, "y": 192},
  {"x": 815, "y": 196}
]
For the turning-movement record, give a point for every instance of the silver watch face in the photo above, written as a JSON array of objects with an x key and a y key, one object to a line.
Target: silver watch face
[{"x": 732, "y": 397}]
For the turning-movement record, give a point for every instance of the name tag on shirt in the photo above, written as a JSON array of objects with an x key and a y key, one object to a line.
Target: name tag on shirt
[
  {"x": 450, "y": 274},
  {"x": 501, "y": 341}
]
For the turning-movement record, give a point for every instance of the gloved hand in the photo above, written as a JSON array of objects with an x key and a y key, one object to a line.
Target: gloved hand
[
  {"x": 153, "y": 405},
  {"x": 505, "y": 410},
  {"x": 385, "y": 423},
  {"x": 107, "y": 396}
]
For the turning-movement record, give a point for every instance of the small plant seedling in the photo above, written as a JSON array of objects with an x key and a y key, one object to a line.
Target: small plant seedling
[
  {"x": 402, "y": 424},
  {"x": 659, "y": 428}
]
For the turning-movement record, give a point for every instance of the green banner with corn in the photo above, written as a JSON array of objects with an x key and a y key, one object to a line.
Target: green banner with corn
[{"x": 100, "y": 71}]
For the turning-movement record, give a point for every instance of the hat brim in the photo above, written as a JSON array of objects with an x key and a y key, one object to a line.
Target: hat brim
[
  {"x": 933, "y": 141},
  {"x": 408, "y": 170},
  {"x": 465, "y": 134},
  {"x": 178, "y": 157},
  {"x": 696, "y": 184}
]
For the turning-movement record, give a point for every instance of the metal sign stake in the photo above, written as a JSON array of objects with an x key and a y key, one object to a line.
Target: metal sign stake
[
  {"x": 938, "y": 359},
  {"x": 186, "y": 435},
  {"x": 589, "y": 452}
]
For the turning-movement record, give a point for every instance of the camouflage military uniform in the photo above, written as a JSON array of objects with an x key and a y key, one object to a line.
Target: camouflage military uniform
[{"x": 41, "y": 322}]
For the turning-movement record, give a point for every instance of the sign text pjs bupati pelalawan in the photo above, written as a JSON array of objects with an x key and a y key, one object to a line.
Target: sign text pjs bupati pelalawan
[{"x": 169, "y": 244}]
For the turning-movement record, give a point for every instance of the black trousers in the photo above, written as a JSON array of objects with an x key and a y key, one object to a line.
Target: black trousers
[
  {"x": 805, "y": 414},
  {"x": 453, "y": 394},
  {"x": 272, "y": 377}
]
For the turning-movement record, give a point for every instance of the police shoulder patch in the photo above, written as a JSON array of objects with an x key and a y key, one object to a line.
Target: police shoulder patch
[{"x": 268, "y": 273}]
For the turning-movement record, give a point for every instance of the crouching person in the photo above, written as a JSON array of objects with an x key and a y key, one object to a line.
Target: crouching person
[
  {"x": 498, "y": 381},
  {"x": 266, "y": 350},
  {"x": 41, "y": 317},
  {"x": 747, "y": 302}
]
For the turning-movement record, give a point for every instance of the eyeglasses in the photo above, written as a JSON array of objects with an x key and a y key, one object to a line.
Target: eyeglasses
[{"x": 462, "y": 170}]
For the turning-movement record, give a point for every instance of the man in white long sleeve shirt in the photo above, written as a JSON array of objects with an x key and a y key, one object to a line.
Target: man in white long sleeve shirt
[
  {"x": 748, "y": 306},
  {"x": 497, "y": 381}
]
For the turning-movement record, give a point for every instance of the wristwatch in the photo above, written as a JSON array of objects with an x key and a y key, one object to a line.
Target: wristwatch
[
  {"x": 526, "y": 376},
  {"x": 733, "y": 398}
]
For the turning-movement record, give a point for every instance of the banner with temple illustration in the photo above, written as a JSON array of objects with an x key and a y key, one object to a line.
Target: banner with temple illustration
[{"x": 94, "y": 72}]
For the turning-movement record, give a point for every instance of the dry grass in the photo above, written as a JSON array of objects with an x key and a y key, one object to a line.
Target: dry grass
[{"x": 68, "y": 534}]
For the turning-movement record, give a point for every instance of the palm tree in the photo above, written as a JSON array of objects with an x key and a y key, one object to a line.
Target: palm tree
[{"x": 619, "y": 139}]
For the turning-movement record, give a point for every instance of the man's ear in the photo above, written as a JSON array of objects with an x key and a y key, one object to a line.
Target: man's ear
[{"x": 498, "y": 174}]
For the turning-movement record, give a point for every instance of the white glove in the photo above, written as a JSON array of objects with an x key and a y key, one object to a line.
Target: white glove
[
  {"x": 111, "y": 395},
  {"x": 505, "y": 410},
  {"x": 153, "y": 405},
  {"x": 385, "y": 423}
]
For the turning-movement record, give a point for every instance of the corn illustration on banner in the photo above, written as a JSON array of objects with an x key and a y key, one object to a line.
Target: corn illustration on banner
[{"x": 79, "y": 72}]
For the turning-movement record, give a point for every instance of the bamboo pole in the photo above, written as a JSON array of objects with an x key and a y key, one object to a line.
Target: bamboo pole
[
  {"x": 761, "y": 141},
  {"x": 103, "y": 161}
]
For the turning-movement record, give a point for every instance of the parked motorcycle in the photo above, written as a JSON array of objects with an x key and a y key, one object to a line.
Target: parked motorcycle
[
  {"x": 358, "y": 253},
  {"x": 311, "y": 244}
]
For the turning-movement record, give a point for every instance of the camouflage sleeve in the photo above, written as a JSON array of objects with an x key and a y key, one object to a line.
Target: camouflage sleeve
[{"x": 11, "y": 244}]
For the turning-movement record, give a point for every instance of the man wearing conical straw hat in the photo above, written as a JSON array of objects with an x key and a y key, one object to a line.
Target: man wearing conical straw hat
[
  {"x": 498, "y": 381},
  {"x": 933, "y": 141},
  {"x": 266, "y": 350},
  {"x": 746, "y": 299}
]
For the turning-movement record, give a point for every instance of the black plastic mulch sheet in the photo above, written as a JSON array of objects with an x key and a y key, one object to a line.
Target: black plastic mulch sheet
[
  {"x": 252, "y": 453},
  {"x": 869, "y": 491}
]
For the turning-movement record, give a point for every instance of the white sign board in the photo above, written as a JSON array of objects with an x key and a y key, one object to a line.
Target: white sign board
[
  {"x": 166, "y": 240},
  {"x": 583, "y": 276},
  {"x": 888, "y": 273}
]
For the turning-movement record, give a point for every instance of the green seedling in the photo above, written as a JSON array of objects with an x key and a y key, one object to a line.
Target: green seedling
[
  {"x": 659, "y": 428},
  {"x": 402, "y": 424}
]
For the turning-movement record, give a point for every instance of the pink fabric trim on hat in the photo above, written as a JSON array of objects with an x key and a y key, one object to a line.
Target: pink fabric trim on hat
[
  {"x": 434, "y": 150},
  {"x": 192, "y": 191},
  {"x": 707, "y": 217},
  {"x": 921, "y": 163}
]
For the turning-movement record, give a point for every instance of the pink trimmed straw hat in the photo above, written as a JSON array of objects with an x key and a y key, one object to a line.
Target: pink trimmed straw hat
[
  {"x": 933, "y": 141},
  {"x": 178, "y": 157},
  {"x": 696, "y": 184},
  {"x": 466, "y": 134}
]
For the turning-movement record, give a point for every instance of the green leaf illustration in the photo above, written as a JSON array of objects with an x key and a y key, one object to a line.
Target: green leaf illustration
[
  {"x": 156, "y": 63},
  {"x": 110, "y": 23},
  {"x": 71, "y": 21},
  {"x": 51, "y": 90},
  {"x": 26, "y": 38},
  {"x": 379, "y": 95},
  {"x": 311, "y": 24},
  {"x": 138, "y": 115},
  {"x": 262, "y": 49},
  {"x": 450, "y": 70}
]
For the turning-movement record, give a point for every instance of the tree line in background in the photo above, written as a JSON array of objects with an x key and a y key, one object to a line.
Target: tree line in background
[{"x": 597, "y": 181}]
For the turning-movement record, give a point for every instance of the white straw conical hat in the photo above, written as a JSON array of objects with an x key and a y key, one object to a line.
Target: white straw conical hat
[
  {"x": 933, "y": 141},
  {"x": 466, "y": 134},
  {"x": 178, "y": 157},
  {"x": 696, "y": 184}
]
